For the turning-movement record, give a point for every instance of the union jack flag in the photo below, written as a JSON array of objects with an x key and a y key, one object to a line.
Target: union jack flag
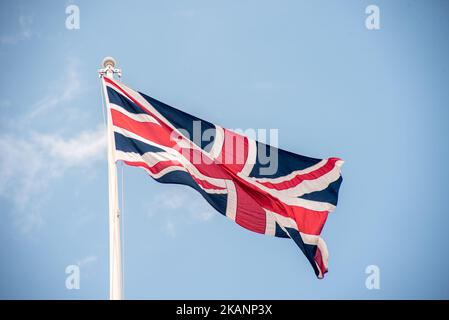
[{"x": 228, "y": 169}]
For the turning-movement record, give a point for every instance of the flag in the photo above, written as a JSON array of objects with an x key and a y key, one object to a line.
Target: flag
[{"x": 262, "y": 188}]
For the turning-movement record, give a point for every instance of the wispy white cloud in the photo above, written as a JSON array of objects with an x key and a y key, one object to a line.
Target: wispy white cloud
[
  {"x": 29, "y": 165},
  {"x": 67, "y": 90},
  {"x": 170, "y": 228},
  {"x": 172, "y": 199},
  {"x": 203, "y": 215},
  {"x": 23, "y": 32},
  {"x": 25, "y": 23},
  {"x": 87, "y": 145},
  {"x": 87, "y": 260},
  {"x": 32, "y": 161},
  {"x": 180, "y": 208}
]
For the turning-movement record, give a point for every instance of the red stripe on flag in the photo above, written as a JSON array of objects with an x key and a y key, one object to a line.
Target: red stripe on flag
[
  {"x": 158, "y": 167},
  {"x": 296, "y": 180},
  {"x": 148, "y": 130},
  {"x": 234, "y": 151},
  {"x": 308, "y": 221},
  {"x": 165, "y": 164},
  {"x": 123, "y": 91},
  {"x": 319, "y": 262},
  {"x": 249, "y": 214}
]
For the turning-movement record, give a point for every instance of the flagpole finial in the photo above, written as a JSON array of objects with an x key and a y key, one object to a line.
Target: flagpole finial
[
  {"x": 108, "y": 61},
  {"x": 109, "y": 68}
]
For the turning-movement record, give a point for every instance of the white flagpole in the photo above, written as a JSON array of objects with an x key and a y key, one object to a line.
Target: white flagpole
[{"x": 115, "y": 254}]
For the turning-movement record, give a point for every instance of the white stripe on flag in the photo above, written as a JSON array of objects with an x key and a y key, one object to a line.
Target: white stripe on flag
[{"x": 140, "y": 117}]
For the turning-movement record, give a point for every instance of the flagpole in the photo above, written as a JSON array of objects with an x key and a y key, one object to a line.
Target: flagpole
[{"x": 115, "y": 254}]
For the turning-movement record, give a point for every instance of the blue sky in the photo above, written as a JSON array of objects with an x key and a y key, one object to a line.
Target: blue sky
[{"x": 376, "y": 98}]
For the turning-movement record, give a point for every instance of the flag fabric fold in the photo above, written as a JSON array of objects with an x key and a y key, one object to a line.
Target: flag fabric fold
[{"x": 290, "y": 197}]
